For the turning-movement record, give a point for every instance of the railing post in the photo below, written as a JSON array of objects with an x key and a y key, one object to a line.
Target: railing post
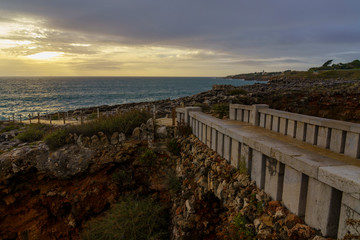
[
  {"x": 254, "y": 116},
  {"x": 188, "y": 110},
  {"x": 173, "y": 116},
  {"x": 30, "y": 118},
  {"x": 38, "y": 117},
  {"x": 98, "y": 113},
  {"x": 13, "y": 117},
  {"x": 50, "y": 119},
  {"x": 20, "y": 117},
  {"x": 64, "y": 118}
]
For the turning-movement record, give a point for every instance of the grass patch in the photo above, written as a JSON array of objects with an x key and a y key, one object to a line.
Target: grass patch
[
  {"x": 34, "y": 132},
  {"x": 172, "y": 182},
  {"x": 131, "y": 219},
  {"x": 221, "y": 109},
  {"x": 121, "y": 177},
  {"x": 184, "y": 130},
  {"x": 125, "y": 123},
  {"x": 56, "y": 139},
  {"x": 173, "y": 146},
  {"x": 148, "y": 157},
  {"x": 238, "y": 91},
  {"x": 242, "y": 166},
  {"x": 11, "y": 126}
]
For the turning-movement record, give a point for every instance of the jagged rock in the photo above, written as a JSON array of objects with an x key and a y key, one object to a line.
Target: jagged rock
[
  {"x": 114, "y": 138},
  {"x": 150, "y": 125},
  {"x": 103, "y": 138},
  {"x": 136, "y": 133},
  {"x": 95, "y": 140},
  {"x": 161, "y": 132},
  {"x": 122, "y": 137},
  {"x": 79, "y": 140},
  {"x": 68, "y": 161}
]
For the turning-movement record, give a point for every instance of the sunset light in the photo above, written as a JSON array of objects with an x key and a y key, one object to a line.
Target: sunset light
[{"x": 45, "y": 55}]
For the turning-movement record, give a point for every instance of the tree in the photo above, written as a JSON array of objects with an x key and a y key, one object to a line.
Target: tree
[{"x": 327, "y": 63}]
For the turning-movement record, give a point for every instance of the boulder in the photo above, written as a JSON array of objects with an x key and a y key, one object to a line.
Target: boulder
[{"x": 114, "y": 138}]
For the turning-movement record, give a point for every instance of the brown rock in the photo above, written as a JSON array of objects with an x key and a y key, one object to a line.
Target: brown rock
[
  {"x": 291, "y": 220},
  {"x": 114, "y": 138},
  {"x": 9, "y": 199},
  {"x": 301, "y": 232}
]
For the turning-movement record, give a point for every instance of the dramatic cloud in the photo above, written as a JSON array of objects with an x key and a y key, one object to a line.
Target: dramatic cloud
[{"x": 160, "y": 34}]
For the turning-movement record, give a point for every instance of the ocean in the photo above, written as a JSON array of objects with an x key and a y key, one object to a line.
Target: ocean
[{"x": 26, "y": 95}]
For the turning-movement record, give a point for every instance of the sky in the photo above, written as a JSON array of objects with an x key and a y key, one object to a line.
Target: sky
[{"x": 174, "y": 37}]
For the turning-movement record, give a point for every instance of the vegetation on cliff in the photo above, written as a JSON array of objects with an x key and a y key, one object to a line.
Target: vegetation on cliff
[{"x": 350, "y": 70}]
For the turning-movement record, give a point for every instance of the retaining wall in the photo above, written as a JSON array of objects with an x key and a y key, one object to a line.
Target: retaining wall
[{"x": 323, "y": 190}]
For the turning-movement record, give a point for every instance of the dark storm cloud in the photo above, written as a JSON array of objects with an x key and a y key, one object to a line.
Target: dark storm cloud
[{"x": 255, "y": 28}]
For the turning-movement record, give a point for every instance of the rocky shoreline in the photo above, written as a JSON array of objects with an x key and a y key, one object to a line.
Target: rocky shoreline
[
  {"x": 335, "y": 99},
  {"x": 52, "y": 194}
]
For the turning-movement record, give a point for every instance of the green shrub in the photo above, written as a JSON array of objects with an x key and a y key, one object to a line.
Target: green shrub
[
  {"x": 237, "y": 91},
  {"x": 184, "y": 130},
  {"x": 125, "y": 123},
  {"x": 131, "y": 219},
  {"x": 56, "y": 139},
  {"x": 243, "y": 232},
  {"x": 173, "y": 146},
  {"x": 172, "y": 182},
  {"x": 242, "y": 166},
  {"x": 204, "y": 107},
  {"x": 148, "y": 157},
  {"x": 11, "y": 126},
  {"x": 121, "y": 177},
  {"x": 34, "y": 132},
  {"x": 221, "y": 109}
]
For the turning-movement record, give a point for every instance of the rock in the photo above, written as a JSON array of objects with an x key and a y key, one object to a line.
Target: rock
[
  {"x": 161, "y": 132},
  {"x": 95, "y": 140},
  {"x": 291, "y": 220},
  {"x": 103, "y": 138},
  {"x": 9, "y": 199},
  {"x": 301, "y": 231},
  {"x": 136, "y": 133},
  {"x": 67, "y": 161},
  {"x": 114, "y": 138},
  {"x": 150, "y": 125},
  {"x": 122, "y": 137}
]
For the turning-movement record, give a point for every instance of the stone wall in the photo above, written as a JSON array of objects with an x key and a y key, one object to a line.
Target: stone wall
[{"x": 322, "y": 190}]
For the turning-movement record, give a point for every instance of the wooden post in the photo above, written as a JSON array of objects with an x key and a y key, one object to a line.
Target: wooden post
[
  {"x": 64, "y": 118},
  {"x": 20, "y": 117},
  {"x": 50, "y": 118},
  {"x": 30, "y": 118},
  {"x": 38, "y": 117},
  {"x": 173, "y": 116},
  {"x": 98, "y": 113},
  {"x": 81, "y": 118},
  {"x": 13, "y": 116}
]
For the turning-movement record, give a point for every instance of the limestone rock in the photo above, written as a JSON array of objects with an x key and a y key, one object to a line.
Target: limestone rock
[
  {"x": 122, "y": 137},
  {"x": 103, "y": 138},
  {"x": 161, "y": 132},
  {"x": 136, "y": 133},
  {"x": 114, "y": 138}
]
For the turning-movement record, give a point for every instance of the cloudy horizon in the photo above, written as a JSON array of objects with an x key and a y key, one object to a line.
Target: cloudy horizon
[{"x": 183, "y": 38}]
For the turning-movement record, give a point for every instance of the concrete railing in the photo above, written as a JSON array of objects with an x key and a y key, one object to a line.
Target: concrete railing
[
  {"x": 338, "y": 136},
  {"x": 324, "y": 191}
]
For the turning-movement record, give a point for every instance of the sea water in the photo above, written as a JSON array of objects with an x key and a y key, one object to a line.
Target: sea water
[{"x": 26, "y": 95}]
